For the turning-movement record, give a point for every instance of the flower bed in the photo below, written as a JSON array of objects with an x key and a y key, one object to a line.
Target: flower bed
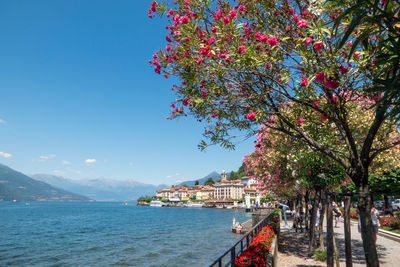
[
  {"x": 258, "y": 250},
  {"x": 390, "y": 221}
]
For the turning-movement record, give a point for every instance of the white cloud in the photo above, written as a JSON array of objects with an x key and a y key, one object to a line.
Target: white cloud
[
  {"x": 2, "y": 121},
  {"x": 46, "y": 157},
  {"x": 58, "y": 172},
  {"x": 168, "y": 176},
  {"x": 5, "y": 155},
  {"x": 65, "y": 162},
  {"x": 89, "y": 161}
]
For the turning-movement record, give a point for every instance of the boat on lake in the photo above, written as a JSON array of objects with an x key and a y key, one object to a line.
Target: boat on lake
[
  {"x": 156, "y": 203},
  {"x": 193, "y": 205}
]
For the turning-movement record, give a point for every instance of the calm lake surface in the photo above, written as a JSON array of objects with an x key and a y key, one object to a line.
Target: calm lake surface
[{"x": 111, "y": 234}]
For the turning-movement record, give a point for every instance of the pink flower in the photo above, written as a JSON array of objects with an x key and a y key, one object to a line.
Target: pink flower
[
  {"x": 349, "y": 43},
  {"x": 241, "y": 49},
  {"x": 153, "y": 6},
  {"x": 211, "y": 40},
  {"x": 323, "y": 117},
  {"x": 296, "y": 17},
  {"x": 272, "y": 41},
  {"x": 184, "y": 20},
  {"x": 168, "y": 48},
  {"x": 171, "y": 11},
  {"x": 334, "y": 99},
  {"x": 304, "y": 82},
  {"x": 263, "y": 38},
  {"x": 315, "y": 104},
  {"x": 226, "y": 20},
  {"x": 251, "y": 116},
  {"x": 213, "y": 29},
  {"x": 168, "y": 38},
  {"x": 242, "y": 8},
  {"x": 320, "y": 77},
  {"x": 302, "y": 23},
  {"x": 214, "y": 115},
  {"x": 266, "y": 66},
  {"x": 343, "y": 69},
  {"x": 203, "y": 94},
  {"x": 185, "y": 102},
  {"x": 308, "y": 40},
  {"x": 199, "y": 60},
  {"x": 232, "y": 14},
  {"x": 318, "y": 46},
  {"x": 166, "y": 76},
  {"x": 332, "y": 84},
  {"x": 300, "y": 120}
]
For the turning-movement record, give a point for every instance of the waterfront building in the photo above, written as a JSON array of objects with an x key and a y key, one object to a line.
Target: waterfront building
[
  {"x": 205, "y": 193},
  {"x": 183, "y": 194},
  {"x": 228, "y": 189},
  {"x": 249, "y": 182}
]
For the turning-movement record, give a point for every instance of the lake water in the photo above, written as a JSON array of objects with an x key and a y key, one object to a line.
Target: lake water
[{"x": 111, "y": 234}]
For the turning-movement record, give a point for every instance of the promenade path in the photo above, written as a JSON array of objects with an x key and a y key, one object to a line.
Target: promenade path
[{"x": 293, "y": 249}]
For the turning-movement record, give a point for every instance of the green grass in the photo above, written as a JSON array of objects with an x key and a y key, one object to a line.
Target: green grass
[
  {"x": 320, "y": 254},
  {"x": 390, "y": 229}
]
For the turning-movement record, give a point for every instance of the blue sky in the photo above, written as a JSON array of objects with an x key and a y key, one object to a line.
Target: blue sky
[{"x": 78, "y": 97}]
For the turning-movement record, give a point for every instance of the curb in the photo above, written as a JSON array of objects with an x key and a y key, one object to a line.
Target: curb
[{"x": 386, "y": 234}]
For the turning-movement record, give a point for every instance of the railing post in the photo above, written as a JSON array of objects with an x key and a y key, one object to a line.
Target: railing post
[
  {"x": 241, "y": 247},
  {"x": 233, "y": 256},
  {"x": 220, "y": 263}
]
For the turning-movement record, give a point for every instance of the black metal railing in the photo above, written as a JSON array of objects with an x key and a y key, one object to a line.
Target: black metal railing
[{"x": 228, "y": 257}]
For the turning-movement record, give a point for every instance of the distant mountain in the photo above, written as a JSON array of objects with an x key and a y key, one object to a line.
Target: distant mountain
[
  {"x": 215, "y": 175},
  {"x": 102, "y": 189},
  {"x": 17, "y": 186}
]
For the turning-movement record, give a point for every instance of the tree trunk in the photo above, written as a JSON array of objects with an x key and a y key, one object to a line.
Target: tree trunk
[
  {"x": 386, "y": 207},
  {"x": 337, "y": 260},
  {"x": 367, "y": 232},
  {"x": 321, "y": 220},
  {"x": 306, "y": 211},
  {"x": 311, "y": 245},
  {"x": 329, "y": 233},
  {"x": 347, "y": 231}
]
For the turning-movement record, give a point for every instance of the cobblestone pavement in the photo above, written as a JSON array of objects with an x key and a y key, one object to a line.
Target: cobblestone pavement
[{"x": 293, "y": 249}]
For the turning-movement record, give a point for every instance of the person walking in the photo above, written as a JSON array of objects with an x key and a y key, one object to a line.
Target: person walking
[
  {"x": 337, "y": 214},
  {"x": 375, "y": 221}
]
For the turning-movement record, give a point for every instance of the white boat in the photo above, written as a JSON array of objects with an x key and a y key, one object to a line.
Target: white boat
[
  {"x": 193, "y": 205},
  {"x": 156, "y": 203}
]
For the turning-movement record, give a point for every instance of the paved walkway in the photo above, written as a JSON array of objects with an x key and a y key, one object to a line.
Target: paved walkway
[
  {"x": 388, "y": 250},
  {"x": 293, "y": 249}
]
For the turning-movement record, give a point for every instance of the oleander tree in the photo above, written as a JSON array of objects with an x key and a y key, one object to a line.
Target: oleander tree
[{"x": 242, "y": 64}]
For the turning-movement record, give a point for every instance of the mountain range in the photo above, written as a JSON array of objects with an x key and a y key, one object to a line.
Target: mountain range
[
  {"x": 101, "y": 189},
  {"x": 215, "y": 175},
  {"x": 19, "y": 187}
]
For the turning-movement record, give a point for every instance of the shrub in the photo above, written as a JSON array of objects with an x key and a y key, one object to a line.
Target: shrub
[
  {"x": 320, "y": 254},
  {"x": 389, "y": 221},
  {"x": 258, "y": 250}
]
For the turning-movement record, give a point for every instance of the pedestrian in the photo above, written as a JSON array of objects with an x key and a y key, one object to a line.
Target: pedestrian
[
  {"x": 337, "y": 214},
  {"x": 318, "y": 216},
  {"x": 375, "y": 221}
]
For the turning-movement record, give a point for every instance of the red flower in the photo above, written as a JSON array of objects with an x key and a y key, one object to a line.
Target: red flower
[
  {"x": 302, "y": 23},
  {"x": 226, "y": 20},
  {"x": 304, "y": 82},
  {"x": 272, "y": 41},
  {"x": 318, "y": 46},
  {"x": 251, "y": 116}
]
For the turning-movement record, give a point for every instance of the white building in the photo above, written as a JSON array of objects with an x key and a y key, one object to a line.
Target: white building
[{"x": 228, "y": 189}]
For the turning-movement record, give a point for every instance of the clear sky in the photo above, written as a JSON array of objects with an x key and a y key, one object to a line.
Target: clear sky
[{"x": 78, "y": 98}]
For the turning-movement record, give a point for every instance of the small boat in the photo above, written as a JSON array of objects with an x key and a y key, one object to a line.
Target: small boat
[
  {"x": 193, "y": 205},
  {"x": 156, "y": 203}
]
